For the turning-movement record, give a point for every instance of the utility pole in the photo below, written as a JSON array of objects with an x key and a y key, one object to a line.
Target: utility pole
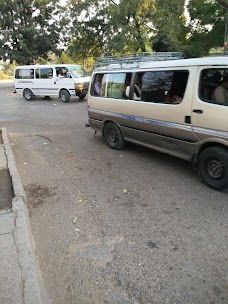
[{"x": 226, "y": 35}]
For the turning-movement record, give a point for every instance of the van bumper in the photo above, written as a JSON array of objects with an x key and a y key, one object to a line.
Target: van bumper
[
  {"x": 81, "y": 92},
  {"x": 81, "y": 89},
  {"x": 95, "y": 125}
]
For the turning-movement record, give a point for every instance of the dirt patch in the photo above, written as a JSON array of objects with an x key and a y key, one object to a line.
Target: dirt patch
[
  {"x": 6, "y": 190},
  {"x": 36, "y": 194}
]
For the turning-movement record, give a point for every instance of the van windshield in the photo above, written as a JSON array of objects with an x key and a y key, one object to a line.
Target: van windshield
[{"x": 77, "y": 71}]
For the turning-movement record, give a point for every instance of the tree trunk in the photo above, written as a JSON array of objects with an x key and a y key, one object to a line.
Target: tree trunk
[{"x": 139, "y": 36}]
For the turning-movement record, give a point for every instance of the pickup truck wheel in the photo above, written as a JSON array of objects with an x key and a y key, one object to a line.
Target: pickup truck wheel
[
  {"x": 113, "y": 136},
  {"x": 64, "y": 96},
  {"x": 213, "y": 167},
  {"x": 28, "y": 94}
]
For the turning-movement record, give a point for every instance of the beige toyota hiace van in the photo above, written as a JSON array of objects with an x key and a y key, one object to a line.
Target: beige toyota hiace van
[{"x": 179, "y": 107}]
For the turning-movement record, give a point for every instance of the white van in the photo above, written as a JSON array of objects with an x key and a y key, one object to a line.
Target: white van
[
  {"x": 62, "y": 80},
  {"x": 179, "y": 107}
]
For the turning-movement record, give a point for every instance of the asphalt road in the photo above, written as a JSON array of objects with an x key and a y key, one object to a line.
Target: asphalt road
[{"x": 163, "y": 241}]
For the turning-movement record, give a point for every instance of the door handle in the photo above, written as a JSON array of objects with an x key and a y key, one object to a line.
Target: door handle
[{"x": 198, "y": 111}]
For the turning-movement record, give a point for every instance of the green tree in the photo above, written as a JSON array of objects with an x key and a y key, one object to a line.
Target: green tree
[
  {"x": 206, "y": 26},
  {"x": 223, "y": 3},
  {"x": 169, "y": 22},
  {"x": 29, "y": 29},
  {"x": 109, "y": 27}
]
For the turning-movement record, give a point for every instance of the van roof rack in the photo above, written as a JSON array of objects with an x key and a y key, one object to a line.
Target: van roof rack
[{"x": 136, "y": 58}]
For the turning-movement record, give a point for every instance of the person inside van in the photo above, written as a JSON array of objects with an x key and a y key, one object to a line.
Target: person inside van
[
  {"x": 60, "y": 73},
  {"x": 220, "y": 94},
  {"x": 97, "y": 86},
  {"x": 137, "y": 89}
]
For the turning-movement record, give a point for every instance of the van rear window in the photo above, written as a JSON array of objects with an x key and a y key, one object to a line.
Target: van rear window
[
  {"x": 24, "y": 73},
  {"x": 213, "y": 87},
  {"x": 164, "y": 86}
]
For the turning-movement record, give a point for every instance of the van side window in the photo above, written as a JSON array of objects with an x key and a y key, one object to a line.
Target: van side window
[
  {"x": 63, "y": 71},
  {"x": 213, "y": 86},
  {"x": 46, "y": 73},
  {"x": 98, "y": 87},
  {"x": 116, "y": 85},
  {"x": 24, "y": 74},
  {"x": 164, "y": 86}
]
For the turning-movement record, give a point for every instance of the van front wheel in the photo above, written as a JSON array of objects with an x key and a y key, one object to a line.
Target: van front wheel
[
  {"x": 82, "y": 96},
  {"x": 65, "y": 96},
  {"x": 113, "y": 136},
  {"x": 213, "y": 167},
  {"x": 28, "y": 94}
]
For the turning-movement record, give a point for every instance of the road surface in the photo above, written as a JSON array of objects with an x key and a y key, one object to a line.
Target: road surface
[{"x": 130, "y": 226}]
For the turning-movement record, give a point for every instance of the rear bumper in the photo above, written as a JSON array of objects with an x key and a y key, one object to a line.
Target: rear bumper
[{"x": 95, "y": 125}]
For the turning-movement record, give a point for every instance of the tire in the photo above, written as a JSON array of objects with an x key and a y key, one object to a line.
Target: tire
[
  {"x": 82, "y": 96},
  {"x": 64, "y": 96},
  {"x": 212, "y": 167},
  {"x": 28, "y": 94},
  {"x": 113, "y": 136}
]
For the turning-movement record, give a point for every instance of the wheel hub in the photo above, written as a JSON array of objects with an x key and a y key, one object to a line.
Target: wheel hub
[
  {"x": 112, "y": 136},
  {"x": 28, "y": 95},
  {"x": 215, "y": 168}
]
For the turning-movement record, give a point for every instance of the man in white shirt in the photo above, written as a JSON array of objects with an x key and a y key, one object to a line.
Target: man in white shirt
[
  {"x": 137, "y": 89},
  {"x": 60, "y": 73},
  {"x": 97, "y": 85}
]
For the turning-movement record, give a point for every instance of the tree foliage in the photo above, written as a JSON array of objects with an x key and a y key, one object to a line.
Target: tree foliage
[
  {"x": 28, "y": 29},
  {"x": 111, "y": 27},
  {"x": 169, "y": 22},
  {"x": 31, "y": 30},
  {"x": 206, "y": 27}
]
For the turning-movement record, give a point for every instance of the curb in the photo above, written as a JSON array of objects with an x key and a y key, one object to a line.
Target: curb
[{"x": 33, "y": 287}]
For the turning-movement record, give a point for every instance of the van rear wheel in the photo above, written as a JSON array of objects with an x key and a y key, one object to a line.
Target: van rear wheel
[
  {"x": 213, "y": 167},
  {"x": 65, "y": 96},
  {"x": 28, "y": 94},
  {"x": 113, "y": 136}
]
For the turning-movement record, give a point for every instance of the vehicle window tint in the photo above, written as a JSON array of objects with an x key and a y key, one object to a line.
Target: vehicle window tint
[
  {"x": 164, "y": 86},
  {"x": 77, "y": 71},
  {"x": 64, "y": 72},
  {"x": 116, "y": 85},
  {"x": 213, "y": 87},
  {"x": 24, "y": 73},
  {"x": 104, "y": 84},
  {"x": 46, "y": 73}
]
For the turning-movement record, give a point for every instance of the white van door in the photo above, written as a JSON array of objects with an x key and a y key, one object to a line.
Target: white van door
[
  {"x": 45, "y": 84},
  {"x": 209, "y": 116},
  {"x": 64, "y": 79}
]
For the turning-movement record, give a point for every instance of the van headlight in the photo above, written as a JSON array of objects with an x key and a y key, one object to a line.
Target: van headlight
[{"x": 79, "y": 86}]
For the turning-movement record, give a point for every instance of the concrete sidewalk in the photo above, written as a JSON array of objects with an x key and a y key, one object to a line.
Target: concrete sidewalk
[{"x": 20, "y": 276}]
